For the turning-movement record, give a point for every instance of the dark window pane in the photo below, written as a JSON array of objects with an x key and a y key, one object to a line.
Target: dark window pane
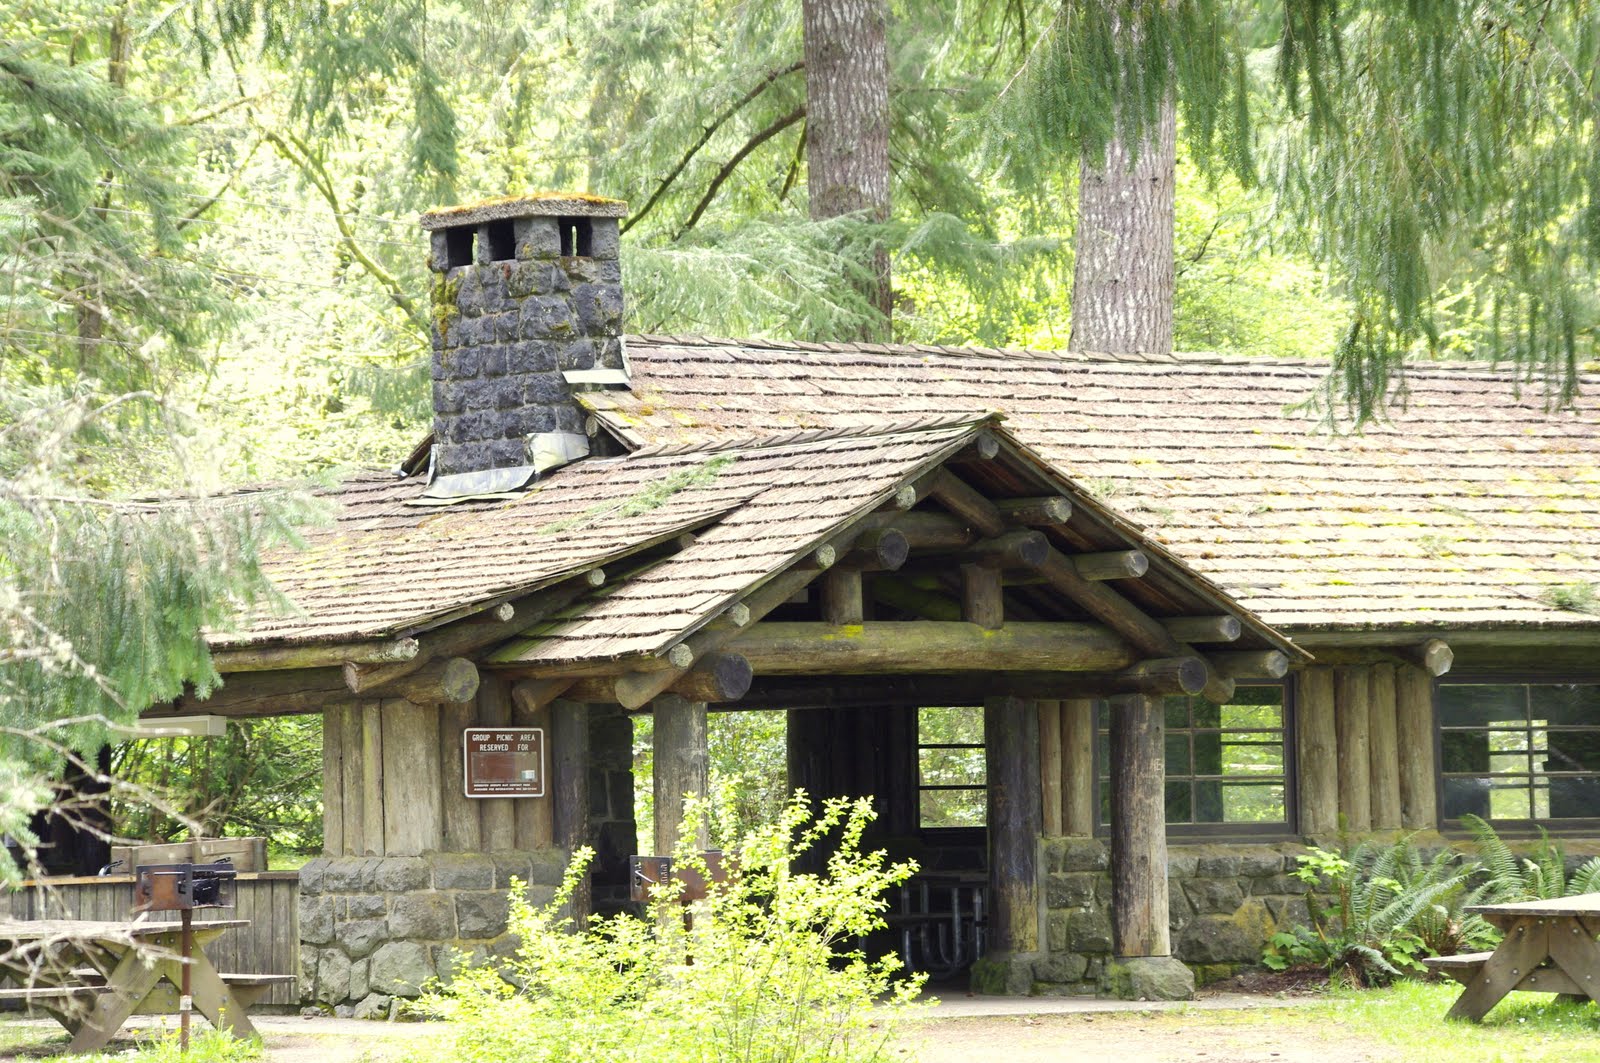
[
  {"x": 1464, "y": 751},
  {"x": 1565, "y": 704},
  {"x": 1177, "y": 754},
  {"x": 1572, "y": 751},
  {"x": 1179, "y": 805},
  {"x": 1102, "y": 714},
  {"x": 1206, "y": 713},
  {"x": 1464, "y": 797},
  {"x": 1207, "y": 798},
  {"x": 1177, "y": 711},
  {"x": 1104, "y": 753},
  {"x": 1472, "y": 705},
  {"x": 1574, "y": 798}
]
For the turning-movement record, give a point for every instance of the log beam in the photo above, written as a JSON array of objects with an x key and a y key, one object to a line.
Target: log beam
[
  {"x": 466, "y": 639},
  {"x": 1036, "y": 512},
  {"x": 1251, "y": 664},
  {"x": 450, "y": 681},
  {"x": 803, "y": 647},
  {"x": 718, "y": 678},
  {"x": 867, "y": 692},
  {"x": 1433, "y": 656},
  {"x": 1112, "y": 564},
  {"x": 291, "y": 658},
  {"x": 1204, "y": 628},
  {"x": 880, "y": 550}
]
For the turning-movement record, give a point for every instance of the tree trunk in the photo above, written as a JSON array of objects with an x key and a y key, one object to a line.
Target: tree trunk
[
  {"x": 847, "y": 125},
  {"x": 1122, "y": 281}
]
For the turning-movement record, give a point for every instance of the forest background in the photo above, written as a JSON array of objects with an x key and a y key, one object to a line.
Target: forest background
[{"x": 214, "y": 277}]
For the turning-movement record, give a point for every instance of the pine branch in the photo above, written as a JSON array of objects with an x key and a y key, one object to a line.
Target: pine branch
[
  {"x": 733, "y": 164},
  {"x": 295, "y": 150},
  {"x": 705, "y": 136}
]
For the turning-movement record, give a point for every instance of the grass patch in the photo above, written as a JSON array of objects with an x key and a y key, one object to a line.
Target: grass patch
[{"x": 48, "y": 1044}]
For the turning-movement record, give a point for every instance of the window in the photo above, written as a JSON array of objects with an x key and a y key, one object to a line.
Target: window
[
  {"x": 952, "y": 789},
  {"x": 1226, "y": 767},
  {"x": 1519, "y": 751}
]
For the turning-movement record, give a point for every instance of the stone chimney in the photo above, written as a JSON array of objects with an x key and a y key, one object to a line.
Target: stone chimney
[{"x": 527, "y": 301}]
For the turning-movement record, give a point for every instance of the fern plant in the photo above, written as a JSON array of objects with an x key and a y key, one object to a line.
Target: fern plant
[
  {"x": 1375, "y": 911},
  {"x": 1510, "y": 878}
]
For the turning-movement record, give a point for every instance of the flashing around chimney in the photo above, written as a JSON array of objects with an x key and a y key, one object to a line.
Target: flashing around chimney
[{"x": 526, "y": 290}]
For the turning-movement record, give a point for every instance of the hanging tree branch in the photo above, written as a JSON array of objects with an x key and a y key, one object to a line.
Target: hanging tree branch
[
  {"x": 733, "y": 164},
  {"x": 705, "y": 136}
]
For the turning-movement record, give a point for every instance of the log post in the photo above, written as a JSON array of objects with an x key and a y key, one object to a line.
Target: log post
[
  {"x": 412, "y": 817},
  {"x": 1382, "y": 748},
  {"x": 682, "y": 766},
  {"x": 332, "y": 781},
  {"x": 1353, "y": 716},
  {"x": 1050, "y": 767},
  {"x": 982, "y": 596},
  {"x": 569, "y": 787},
  {"x": 1138, "y": 828},
  {"x": 372, "y": 778},
  {"x": 1419, "y": 800},
  {"x": 1317, "y": 742},
  {"x": 1011, "y": 738},
  {"x": 841, "y": 596},
  {"x": 497, "y": 815},
  {"x": 1077, "y": 768},
  {"x": 533, "y": 818},
  {"x": 461, "y": 830},
  {"x": 352, "y": 752}
]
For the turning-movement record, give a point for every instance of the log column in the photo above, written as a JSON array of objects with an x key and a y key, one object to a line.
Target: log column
[
  {"x": 1383, "y": 748},
  {"x": 1353, "y": 717},
  {"x": 1077, "y": 768},
  {"x": 569, "y": 786},
  {"x": 1419, "y": 800},
  {"x": 682, "y": 766},
  {"x": 1138, "y": 828},
  {"x": 1011, "y": 738},
  {"x": 1317, "y": 741}
]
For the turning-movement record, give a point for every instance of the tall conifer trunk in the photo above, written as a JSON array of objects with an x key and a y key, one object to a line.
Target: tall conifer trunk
[
  {"x": 847, "y": 124},
  {"x": 1123, "y": 280}
]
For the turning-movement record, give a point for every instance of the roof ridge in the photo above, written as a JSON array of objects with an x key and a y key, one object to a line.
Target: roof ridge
[
  {"x": 1062, "y": 355},
  {"x": 793, "y": 437}
]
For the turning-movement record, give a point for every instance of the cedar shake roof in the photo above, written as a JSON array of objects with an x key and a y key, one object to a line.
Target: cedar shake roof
[
  {"x": 708, "y": 522},
  {"x": 1462, "y": 509},
  {"x": 390, "y": 563}
]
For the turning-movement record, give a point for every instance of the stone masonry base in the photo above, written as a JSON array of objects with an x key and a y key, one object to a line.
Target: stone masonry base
[{"x": 374, "y": 930}]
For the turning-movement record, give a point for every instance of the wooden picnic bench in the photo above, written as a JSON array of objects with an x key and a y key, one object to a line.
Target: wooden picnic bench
[
  {"x": 1549, "y": 947},
  {"x": 92, "y": 976}
]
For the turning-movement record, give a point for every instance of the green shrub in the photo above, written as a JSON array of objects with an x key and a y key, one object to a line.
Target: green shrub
[
  {"x": 1376, "y": 910},
  {"x": 766, "y": 968}
]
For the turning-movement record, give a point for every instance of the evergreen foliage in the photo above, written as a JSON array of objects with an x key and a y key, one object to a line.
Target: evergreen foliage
[{"x": 1440, "y": 160}]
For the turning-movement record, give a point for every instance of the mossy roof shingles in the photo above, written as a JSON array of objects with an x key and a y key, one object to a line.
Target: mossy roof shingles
[{"x": 1464, "y": 507}]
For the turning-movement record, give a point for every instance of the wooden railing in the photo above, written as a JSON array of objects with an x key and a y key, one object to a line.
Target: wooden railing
[{"x": 270, "y": 900}]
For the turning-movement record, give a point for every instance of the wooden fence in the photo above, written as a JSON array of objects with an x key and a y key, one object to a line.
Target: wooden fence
[{"x": 270, "y": 900}]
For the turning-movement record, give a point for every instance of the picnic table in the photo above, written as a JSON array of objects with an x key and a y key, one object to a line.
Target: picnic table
[
  {"x": 1549, "y": 947},
  {"x": 92, "y": 976}
]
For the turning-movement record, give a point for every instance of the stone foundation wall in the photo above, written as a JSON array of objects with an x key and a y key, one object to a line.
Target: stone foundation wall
[
  {"x": 374, "y": 930},
  {"x": 1226, "y": 901}
]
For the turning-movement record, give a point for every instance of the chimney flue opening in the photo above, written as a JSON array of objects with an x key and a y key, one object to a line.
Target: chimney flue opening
[
  {"x": 577, "y": 237},
  {"x": 458, "y": 247},
  {"x": 501, "y": 237}
]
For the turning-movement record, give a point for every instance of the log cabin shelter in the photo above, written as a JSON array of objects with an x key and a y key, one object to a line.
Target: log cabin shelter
[{"x": 1189, "y": 627}]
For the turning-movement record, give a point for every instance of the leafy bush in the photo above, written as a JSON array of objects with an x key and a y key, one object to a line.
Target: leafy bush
[
  {"x": 1512, "y": 878},
  {"x": 1376, "y": 910},
  {"x": 768, "y": 967}
]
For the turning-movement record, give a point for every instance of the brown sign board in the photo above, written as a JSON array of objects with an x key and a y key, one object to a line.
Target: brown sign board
[{"x": 504, "y": 761}]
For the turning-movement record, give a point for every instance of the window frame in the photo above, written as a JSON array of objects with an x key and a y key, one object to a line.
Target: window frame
[
  {"x": 1286, "y": 828},
  {"x": 1510, "y": 828},
  {"x": 917, "y": 746}
]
